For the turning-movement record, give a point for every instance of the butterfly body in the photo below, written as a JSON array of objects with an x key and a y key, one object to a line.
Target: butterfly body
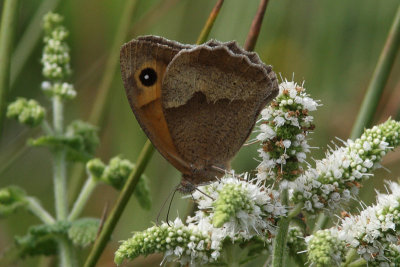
[{"x": 197, "y": 104}]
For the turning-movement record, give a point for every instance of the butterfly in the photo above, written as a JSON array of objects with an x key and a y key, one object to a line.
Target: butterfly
[{"x": 196, "y": 103}]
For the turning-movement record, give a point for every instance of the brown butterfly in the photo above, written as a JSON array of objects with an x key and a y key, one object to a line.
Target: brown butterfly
[{"x": 196, "y": 103}]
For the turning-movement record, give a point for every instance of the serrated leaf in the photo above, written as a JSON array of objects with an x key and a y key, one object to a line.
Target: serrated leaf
[
  {"x": 40, "y": 239},
  {"x": 74, "y": 146},
  {"x": 83, "y": 232}
]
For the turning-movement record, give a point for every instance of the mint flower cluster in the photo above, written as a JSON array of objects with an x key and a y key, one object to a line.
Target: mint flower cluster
[
  {"x": 285, "y": 124},
  {"x": 337, "y": 177},
  {"x": 374, "y": 233},
  {"x": 232, "y": 209},
  {"x": 241, "y": 207}
]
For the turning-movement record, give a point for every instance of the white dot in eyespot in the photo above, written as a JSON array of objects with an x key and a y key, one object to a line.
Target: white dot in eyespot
[{"x": 146, "y": 77}]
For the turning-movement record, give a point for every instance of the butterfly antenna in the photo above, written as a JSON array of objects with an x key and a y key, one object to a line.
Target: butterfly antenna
[
  {"x": 170, "y": 203},
  {"x": 207, "y": 195},
  {"x": 165, "y": 202}
]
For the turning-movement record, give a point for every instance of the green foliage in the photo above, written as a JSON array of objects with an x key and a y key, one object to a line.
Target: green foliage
[
  {"x": 142, "y": 193},
  {"x": 116, "y": 173},
  {"x": 83, "y": 232},
  {"x": 41, "y": 239},
  {"x": 28, "y": 112},
  {"x": 80, "y": 141},
  {"x": 12, "y": 198},
  {"x": 87, "y": 135}
]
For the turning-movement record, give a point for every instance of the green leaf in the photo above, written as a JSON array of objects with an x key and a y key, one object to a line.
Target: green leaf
[
  {"x": 83, "y": 232},
  {"x": 87, "y": 133},
  {"x": 40, "y": 239},
  {"x": 72, "y": 144},
  {"x": 142, "y": 193}
]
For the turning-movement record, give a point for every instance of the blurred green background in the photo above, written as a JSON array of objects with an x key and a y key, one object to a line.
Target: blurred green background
[{"x": 332, "y": 45}]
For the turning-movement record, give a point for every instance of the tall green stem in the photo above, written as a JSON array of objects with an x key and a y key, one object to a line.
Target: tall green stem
[
  {"x": 379, "y": 79},
  {"x": 119, "y": 207},
  {"x": 66, "y": 250},
  {"x": 8, "y": 25},
  {"x": 39, "y": 211},
  {"x": 79, "y": 204},
  {"x": 67, "y": 253},
  {"x": 279, "y": 249},
  {"x": 59, "y": 176}
]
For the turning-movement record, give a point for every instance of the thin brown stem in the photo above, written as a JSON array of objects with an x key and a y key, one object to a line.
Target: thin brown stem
[
  {"x": 252, "y": 37},
  {"x": 210, "y": 22}
]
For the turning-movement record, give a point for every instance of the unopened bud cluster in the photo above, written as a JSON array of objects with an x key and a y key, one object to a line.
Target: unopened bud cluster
[
  {"x": 325, "y": 249},
  {"x": 28, "y": 112},
  {"x": 56, "y": 59},
  {"x": 185, "y": 244},
  {"x": 116, "y": 173}
]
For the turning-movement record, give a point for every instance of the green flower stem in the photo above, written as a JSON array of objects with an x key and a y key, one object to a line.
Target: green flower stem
[
  {"x": 351, "y": 254},
  {"x": 60, "y": 184},
  {"x": 233, "y": 254},
  {"x": 58, "y": 116},
  {"x": 83, "y": 197},
  {"x": 7, "y": 28},
  {"x": 210, "y": 22},
  {"x": 379, "y": 79},
  {"x": 358, "y": 263},
  {"x": 59, "y": 178},
  {"x": 321, "y": 223},
  {"x": 29, "y": 39},
  {"x": 279, "y": 249},
  {"x": 296, "y": 210},
  {"x": 375, "y": 88},
  {"x": 98, "y": 110},
  {"x": 67, "y": 253},
  {"x": 119, "y": 207},
  {"x": 37, "y": 209},
  {"x": 47, "y": 128},
  {"x": 297, "y": 258}
]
